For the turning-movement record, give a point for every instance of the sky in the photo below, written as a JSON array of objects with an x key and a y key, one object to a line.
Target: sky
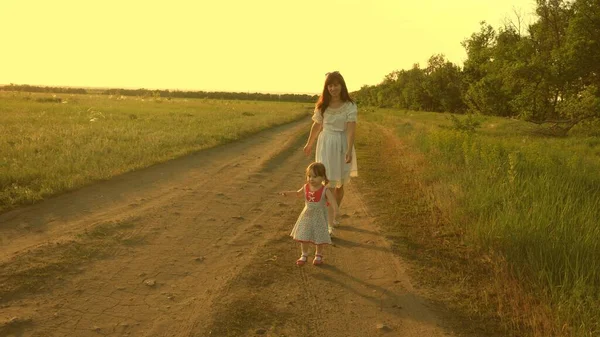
[{"x": 275, "y": 46}]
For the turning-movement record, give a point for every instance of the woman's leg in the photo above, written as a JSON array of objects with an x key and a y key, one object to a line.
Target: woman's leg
[
  {"x": 330, "y": 219},
  {"x": 339, "y": 195}
]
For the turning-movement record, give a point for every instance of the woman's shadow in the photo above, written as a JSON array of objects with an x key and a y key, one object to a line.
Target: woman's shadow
[{"x": 369, "y": 244}]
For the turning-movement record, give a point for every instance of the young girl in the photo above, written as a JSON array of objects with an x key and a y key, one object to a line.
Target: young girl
[
  {"x": 311, "y": 225},
  {"x": 333, "y": 128}
]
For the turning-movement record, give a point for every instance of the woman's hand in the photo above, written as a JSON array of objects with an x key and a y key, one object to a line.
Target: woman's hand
[
  {"x": 307, "y": 149},
  {"x": 348, "y": 157}
]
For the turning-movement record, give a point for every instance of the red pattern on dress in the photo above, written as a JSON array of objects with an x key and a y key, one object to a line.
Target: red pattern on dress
[{"x": 313, "y": 196}]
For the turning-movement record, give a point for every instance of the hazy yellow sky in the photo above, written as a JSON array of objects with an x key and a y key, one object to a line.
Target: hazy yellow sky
[{"x": 232, "y": 45}]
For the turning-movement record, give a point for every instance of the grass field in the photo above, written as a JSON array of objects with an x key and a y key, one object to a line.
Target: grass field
[
  {"x": 507, "y": 215},
  {"x": 526, "y": 204},
  {"x": 52, "y": 144}
]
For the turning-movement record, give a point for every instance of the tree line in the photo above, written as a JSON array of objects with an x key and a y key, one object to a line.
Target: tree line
[
  {"x": 166, "y": 94},
  {"x": 546, "y": 71}
]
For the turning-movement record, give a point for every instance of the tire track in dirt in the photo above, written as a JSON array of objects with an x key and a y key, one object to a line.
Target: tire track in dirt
[
  {"x": 221, "y": 228},
  {"x": 241, "y": 289},
  {"x": 62, "y": 217},
  {"x": 313, "y": 304},
  {"x": 213, "y": 256},
  {"x": 361, "y": 290}
]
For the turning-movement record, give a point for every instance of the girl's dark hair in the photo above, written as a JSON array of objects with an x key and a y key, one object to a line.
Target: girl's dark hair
[
  {"x": 318, "y": 169},
  {"x": 325, "y": 98}
]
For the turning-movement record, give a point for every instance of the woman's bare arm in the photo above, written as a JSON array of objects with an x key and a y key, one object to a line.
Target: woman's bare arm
[
  {"x": 350, "y": 132},
  {"x": 314, "y": 132}
]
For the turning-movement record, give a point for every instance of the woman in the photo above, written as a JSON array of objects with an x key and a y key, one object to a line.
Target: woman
[{"x": 334, "y": 125}]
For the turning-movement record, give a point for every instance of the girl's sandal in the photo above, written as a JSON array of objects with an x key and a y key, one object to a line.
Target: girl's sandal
[
  {"x": 302, "y": 260},
  {"x": 318, "y": 259}
]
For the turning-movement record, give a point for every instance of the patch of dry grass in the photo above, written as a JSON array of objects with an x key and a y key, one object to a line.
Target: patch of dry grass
[
  {"x": 461, "y": 280},
  {"x": 518, "y": 209}
]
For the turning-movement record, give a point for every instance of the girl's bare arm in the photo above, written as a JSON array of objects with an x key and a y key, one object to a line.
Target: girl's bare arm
[{"x": 297, "y": 193}]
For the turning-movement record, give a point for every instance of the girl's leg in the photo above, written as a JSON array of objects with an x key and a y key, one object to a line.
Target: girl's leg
[
  {"x": 304, "y": 256},
  {"x": 304, "y": 248},
  {"x": 318, "y": 255}
]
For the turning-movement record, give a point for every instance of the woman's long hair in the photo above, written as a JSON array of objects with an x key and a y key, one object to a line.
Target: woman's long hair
[{"x": 325, "y": 98}]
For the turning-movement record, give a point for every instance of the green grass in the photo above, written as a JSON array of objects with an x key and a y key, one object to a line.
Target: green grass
[
  {"x": 51, "y": 144},
  {"x": 530, "y": 199}
]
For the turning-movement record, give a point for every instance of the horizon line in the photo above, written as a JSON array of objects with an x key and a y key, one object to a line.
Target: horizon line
[{"x": 141, "y": 88}]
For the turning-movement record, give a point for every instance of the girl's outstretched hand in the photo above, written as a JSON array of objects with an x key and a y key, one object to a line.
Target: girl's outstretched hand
[{"x": 291, "y": 193}]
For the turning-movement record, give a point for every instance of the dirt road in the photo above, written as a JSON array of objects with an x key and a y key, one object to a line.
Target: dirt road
[{"x": 199, "y": 246}]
